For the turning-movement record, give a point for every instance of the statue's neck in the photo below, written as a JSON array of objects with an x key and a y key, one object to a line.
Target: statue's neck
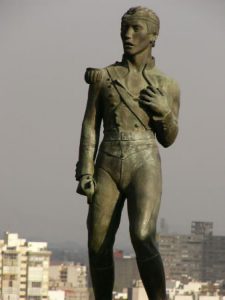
[{"x": 138, "y": 61}]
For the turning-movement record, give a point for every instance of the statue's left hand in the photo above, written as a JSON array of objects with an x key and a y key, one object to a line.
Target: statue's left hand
[
  {"x": 87, "y": 185},
  {"x": 156, "y": 100}
]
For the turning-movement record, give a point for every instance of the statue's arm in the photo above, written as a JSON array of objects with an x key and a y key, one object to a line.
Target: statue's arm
[
  {"x": 90, "y": 126},
  {"x": 166, "y": 127}
]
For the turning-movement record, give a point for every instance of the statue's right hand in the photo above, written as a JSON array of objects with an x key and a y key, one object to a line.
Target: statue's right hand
[{"x": 87, "y": 185}]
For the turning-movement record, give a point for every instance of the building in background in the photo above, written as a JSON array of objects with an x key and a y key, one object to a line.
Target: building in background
[
  {"x": 182, "y": 256},
  {"x": 176, "y": 290},
  {"x": 120, "y": 295},
  {"x": 24, "y": 269},
  {"x": 199, "y": 255},
  {"x": 194, "y": 290},
  {"x": 163, "y": 226},
  {"x": 126, "y": 271},
  {"x": 202, "y": 228},
  {"x": 56, "y": 295},
  {"x": 70, "y": 278},
  {"x": 137, "y": 291},
  {"x": 213, "y": 258}
]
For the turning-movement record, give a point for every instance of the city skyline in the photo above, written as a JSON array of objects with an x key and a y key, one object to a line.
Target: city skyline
[
  {"x": 46, "y": 47},
  {"x": 193, "y": 266}
]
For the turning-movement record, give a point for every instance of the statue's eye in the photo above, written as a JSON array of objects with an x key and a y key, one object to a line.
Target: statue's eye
[
  {"x": 124, "y": 28},
  {"x": 137, "y": 28}
]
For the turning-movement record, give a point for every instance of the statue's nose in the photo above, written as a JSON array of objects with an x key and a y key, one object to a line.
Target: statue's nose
[{"x": 128, "y": 34}]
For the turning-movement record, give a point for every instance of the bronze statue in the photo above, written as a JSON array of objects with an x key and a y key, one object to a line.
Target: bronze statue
[{"x": 137, "y": 104}]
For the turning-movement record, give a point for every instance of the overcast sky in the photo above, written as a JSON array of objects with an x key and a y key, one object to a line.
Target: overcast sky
[{"x": 46, "y": 46}]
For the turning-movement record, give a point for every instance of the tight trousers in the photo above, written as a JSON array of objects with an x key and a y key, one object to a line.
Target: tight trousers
[{"x": 128, "y": 170}]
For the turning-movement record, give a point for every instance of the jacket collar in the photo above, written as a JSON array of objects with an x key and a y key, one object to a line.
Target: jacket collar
[{"x": 121, "y": 69}]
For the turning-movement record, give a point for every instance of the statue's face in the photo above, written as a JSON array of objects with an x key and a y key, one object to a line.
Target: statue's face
[{"x": 135, "y": 36}]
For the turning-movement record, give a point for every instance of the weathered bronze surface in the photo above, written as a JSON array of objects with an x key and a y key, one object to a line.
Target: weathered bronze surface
[{"x": 137, "y": 104}]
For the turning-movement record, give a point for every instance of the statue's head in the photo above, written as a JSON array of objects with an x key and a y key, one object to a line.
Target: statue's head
[{"x": 139, "y": 29}]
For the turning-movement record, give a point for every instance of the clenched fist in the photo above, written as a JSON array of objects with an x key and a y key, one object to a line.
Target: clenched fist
[{"x": 87, "y": 185}]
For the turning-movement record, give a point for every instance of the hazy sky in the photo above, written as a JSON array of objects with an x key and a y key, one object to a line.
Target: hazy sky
[{"x": 46, "y": 46}]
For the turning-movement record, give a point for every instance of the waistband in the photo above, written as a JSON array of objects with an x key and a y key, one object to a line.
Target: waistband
[{"x": 128, "y": 135}]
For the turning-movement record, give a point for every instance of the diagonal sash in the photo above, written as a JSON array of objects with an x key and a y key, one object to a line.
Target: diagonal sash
[{"x": 127, "y": 99}]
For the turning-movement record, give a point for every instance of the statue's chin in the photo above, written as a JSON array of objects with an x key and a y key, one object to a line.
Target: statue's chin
[{"x": 129, "y": 52}]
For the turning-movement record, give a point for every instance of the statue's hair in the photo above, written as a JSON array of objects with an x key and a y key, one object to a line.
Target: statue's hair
[{"x": 146, "y": 14}]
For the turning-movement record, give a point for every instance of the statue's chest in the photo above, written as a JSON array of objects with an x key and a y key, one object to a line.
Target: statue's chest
[
  {"x": 127, "y": 88},
  {"x": 135, "y": 83}
]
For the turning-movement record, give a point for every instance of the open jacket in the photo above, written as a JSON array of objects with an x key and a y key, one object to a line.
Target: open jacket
[{"x": 109, "y": 101}]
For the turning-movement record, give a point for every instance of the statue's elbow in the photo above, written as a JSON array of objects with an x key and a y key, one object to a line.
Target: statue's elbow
[
  {"x": 167, "y": 144},
  {"x": 168, "y": 140}
]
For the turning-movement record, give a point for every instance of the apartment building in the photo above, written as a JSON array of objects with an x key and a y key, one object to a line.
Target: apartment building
[
  {"x": 200, "y": 255},
  {"x": 24, "y": 269},
  {"x": 71, "y": 278},
  {"x": 126, "y": 271},
  {"x": 182, "y": 256}
]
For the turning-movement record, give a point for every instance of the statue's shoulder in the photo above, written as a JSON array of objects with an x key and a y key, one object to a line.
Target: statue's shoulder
[
  {"x": 94, "y": 75},
  {"x": 117, "y": 70},
  {"x": 166, "y": 81},
  {"x": 163, "y": 77},
  {"x": 118, "y": 65}
]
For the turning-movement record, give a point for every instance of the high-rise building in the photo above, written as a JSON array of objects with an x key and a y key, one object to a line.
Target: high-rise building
[
  {"x": 182, "y": 256},
  {"x": 163, "y": 226},
  {"x": 202, "y": 228},
  {"x": 213, "y": 258},
  {"x": 24, "y": 269},
  {"x": 125, "y": 271},
  {"x": 199, "y": 255}
]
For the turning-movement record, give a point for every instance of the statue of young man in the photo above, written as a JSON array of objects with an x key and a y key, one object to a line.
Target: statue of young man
[{"x": 137, "y": 104}]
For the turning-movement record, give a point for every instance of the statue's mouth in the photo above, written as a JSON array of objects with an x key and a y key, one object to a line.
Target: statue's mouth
[{"x": 128, "y": 45}]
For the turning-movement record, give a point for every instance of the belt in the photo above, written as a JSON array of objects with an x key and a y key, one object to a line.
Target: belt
[{"x": 128, "y": 135}]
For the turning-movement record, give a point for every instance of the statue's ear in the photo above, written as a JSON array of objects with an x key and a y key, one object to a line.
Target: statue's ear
[{"x": 153, "y": 38}]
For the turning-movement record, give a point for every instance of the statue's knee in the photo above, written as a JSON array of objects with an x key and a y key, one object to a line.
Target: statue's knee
[
  {"x": 143, "y": 233},
  {"x": 140, "y": 236},
  {"x": 100, "y": 253},
  {"x": 144, "y": 244}
]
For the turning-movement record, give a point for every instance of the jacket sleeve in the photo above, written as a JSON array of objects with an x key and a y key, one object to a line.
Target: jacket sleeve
[
  {"x": 90, "y": 126},
  {"x": 166, "y": 128}
]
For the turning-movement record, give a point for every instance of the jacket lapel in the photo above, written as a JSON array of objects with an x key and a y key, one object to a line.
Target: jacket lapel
[
  {"x": 116, "y": 76},
  {"x": 149, "y": 75}
]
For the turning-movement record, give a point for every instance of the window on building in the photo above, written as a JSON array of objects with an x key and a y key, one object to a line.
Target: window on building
[
  {"x": 36, "y": 284},
  {"x": 9, "y": 277},
  {"x": 63, "y": 275},
  {"x": 9, "y": 259},
  {"x": 35, "y": 264}
]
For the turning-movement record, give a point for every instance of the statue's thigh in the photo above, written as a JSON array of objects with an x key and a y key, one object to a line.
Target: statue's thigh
[
  {"x": 104, "y": 211},
  {"x": 144, "y": 195}
]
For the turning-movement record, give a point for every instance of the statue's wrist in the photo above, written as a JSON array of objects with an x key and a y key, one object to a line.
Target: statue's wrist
[
  {"x": 162, "y": 117},
  {"x": 87, "y": 176}
]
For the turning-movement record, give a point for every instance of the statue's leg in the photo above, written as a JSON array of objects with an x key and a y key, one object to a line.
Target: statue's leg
[
  {"x": 103, "y": 222},
  {"x": 144, "y": 196}
]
